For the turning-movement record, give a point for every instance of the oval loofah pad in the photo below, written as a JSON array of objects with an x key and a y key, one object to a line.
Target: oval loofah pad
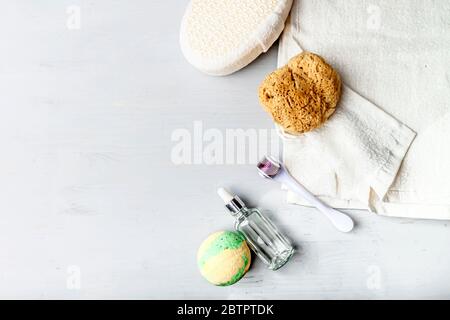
[
  {"x": 220, "y": 37},
  {"x": 302, "y": 95}
]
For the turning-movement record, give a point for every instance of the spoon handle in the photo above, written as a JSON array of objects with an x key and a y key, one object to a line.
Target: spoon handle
[{"x": 340, "y": 220}]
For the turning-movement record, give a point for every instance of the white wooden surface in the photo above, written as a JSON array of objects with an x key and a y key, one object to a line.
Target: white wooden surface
[{"x": 91, "y": 205}]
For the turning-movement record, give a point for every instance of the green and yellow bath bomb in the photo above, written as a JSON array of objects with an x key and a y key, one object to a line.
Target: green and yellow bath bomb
[{"x": 223, "y": 258}]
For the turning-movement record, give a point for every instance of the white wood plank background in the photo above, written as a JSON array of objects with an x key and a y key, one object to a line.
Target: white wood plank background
[{"x": 91, "y": 205}]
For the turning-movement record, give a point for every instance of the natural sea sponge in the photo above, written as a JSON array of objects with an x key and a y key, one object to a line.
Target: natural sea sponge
[{"x": 302, "y": 95}]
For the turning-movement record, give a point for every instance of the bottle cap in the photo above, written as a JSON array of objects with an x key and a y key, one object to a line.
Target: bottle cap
[{"x": 233, "y": 203}]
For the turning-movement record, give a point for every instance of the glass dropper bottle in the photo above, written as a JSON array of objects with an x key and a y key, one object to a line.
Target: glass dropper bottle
[{"x": 263, "y": 237}]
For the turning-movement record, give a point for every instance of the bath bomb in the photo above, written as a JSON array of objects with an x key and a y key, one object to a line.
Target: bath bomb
[
  {"x": 220, "y": 37},
  {"x": 223, "y": 258},
  {"x": 302, "y": 95}
]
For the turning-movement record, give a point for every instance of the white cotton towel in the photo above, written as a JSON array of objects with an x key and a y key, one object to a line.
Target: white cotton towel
[{"x": 395, "y": 55}]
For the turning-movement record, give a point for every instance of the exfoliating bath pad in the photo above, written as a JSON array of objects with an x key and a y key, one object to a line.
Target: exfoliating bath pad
[
  {"x": 220, "y": 37},
  {"x": 302, "y": 95},
  {"x": 223, "y": 258}
]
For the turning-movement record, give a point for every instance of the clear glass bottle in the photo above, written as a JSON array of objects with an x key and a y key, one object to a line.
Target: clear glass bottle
[{"x": 263, "y": 237}]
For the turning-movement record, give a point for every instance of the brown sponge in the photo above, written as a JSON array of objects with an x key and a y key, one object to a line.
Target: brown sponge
[{"x": 302, "y": 95}]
